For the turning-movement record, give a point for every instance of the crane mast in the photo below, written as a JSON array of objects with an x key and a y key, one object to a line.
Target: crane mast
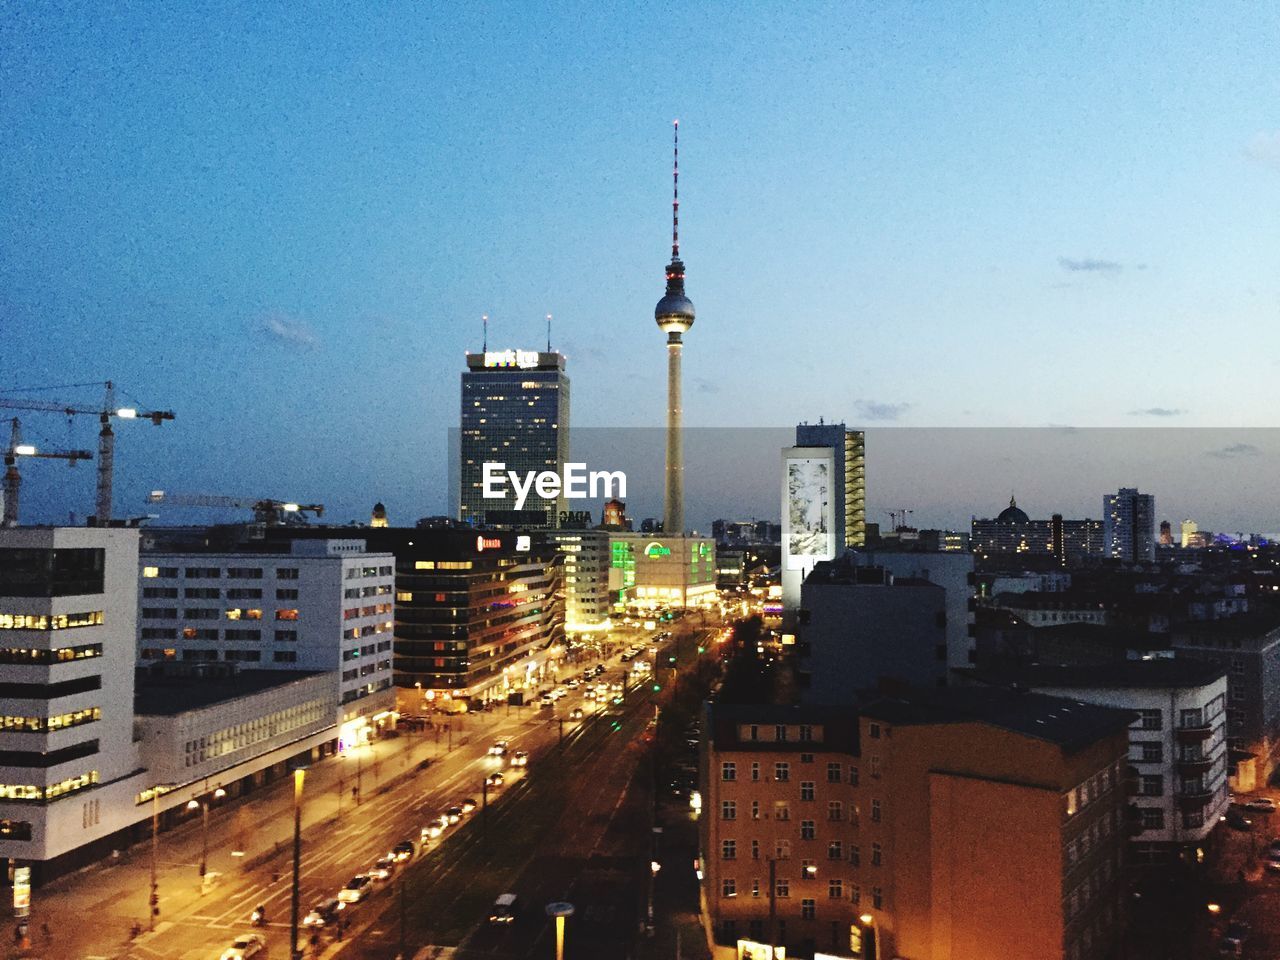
[{"x": 13, "y": 480}]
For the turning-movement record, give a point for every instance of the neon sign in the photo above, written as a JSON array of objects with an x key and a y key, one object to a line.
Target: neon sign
[
  {"x": 488, "y": 543},
  {"x": 656, "y": 549},
  {"x": 524, "y": 359}
]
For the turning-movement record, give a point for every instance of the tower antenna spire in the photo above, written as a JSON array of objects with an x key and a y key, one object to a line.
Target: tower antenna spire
[
  {"x": 675, "y": 195},
  {"x": 485, "y": 319},
  {"x": 548, "y": 333}
]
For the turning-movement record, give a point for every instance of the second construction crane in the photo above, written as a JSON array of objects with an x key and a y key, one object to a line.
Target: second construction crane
[
  {"x": 12, "y": 479},
  {"x": 106, "y": 436},
  {"x": 272, "y": 513}
]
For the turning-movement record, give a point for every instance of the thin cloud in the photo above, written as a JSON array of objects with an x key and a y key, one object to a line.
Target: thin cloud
[
  {"x": 289, "y": 331},
  {"x": 1265, "y": 149},
  {"x": 1089, "y": 265},
  {"x": 1234, "y": 450},
  {"x": 1157, "y": 412},
  {"x": 877, "y": 410}
]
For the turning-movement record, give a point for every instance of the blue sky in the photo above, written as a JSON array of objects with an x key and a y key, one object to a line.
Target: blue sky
[{"x": 285, "y": 224}]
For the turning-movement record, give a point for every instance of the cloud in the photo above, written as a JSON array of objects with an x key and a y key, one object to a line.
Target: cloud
[
  {"x": 1090, "y": 265},
  {"x": 876, "y": 410},
  {"x": 1157, "y": 412},
  {"x": 289, "y": 331},
  {"x": 1234, "y": 450},
  {"x": 1265, "y": 149}
]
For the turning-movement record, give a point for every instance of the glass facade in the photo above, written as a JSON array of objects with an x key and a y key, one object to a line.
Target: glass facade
[{"x": 515, "y": 411}]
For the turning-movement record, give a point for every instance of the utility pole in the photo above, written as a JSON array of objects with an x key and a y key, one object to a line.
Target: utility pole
[
  {"x": 153, "y": 901},
  {"x": 298, "y": 776}
]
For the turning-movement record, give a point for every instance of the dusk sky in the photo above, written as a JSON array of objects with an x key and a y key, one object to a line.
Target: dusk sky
[{"x": 285, "y": 224}]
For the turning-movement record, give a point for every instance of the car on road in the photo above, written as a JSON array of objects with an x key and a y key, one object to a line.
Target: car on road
[
  {"x": 573, "y": 684},
  {"x": 454, "y": 814},
  {"x": 495, "y": 780},
  {"x": 431, "y": 831},
  {"x": 245, "y": 946},
  {"x": 323, "y": 913},
  {"x": 357, "y": 888},
  {"x": 575, "y": 713},
  {"x": 590, "y": 694},
  {"x": 468, "y": 805},
  {"x": 500, "y": 748},
  {"x": 1271, "y": 860},
  {"x": 504, "y": 909},
  {"x": 383, "y": 869},
  {"x": 1261, "y": 805},
  {"x": 402, "y": 851},
  {"x": 1237, "y": 820},
  {"x": 520, "y": 758}
]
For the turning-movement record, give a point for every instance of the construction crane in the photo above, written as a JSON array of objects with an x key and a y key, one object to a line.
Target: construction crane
[
  {"x": 13, "y": 482},
  {"x": 898, "y": 518},
  {"x": 106, "y": 436},
  {"x": 272, "y": 513}
]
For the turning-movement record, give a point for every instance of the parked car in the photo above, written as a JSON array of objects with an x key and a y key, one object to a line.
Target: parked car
[
  {"x": 245, "y": 946},
  {"x": 1233, "y": 940},
  {"x": 468, "y": 805},
  {"x": 383, "y": 869},
  {"x": 1261, "y": 805},
  {"x": 431, "y": 831},
  {"x": 495, "y": 780},
  {"x": 323, "y": 913},
  {"x": 357, "y": 888},
  {"x": 520, "y": 758},
  {"x": 454, "y": 814},
  {"x": 1271, "y": 860}
]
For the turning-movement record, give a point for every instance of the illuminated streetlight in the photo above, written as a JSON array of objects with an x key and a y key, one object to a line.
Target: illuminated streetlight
[{"x": 299, "y": 775}]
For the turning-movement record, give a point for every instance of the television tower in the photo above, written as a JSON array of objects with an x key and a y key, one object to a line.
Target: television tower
[{"x": 674, "y": 314}]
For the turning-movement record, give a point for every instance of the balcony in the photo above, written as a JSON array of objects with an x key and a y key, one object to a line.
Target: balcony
[
  {"x": 1194, "y": 734},
  {"x": 1194, "y": 767},
  {"x": 1194, "y": 799}
]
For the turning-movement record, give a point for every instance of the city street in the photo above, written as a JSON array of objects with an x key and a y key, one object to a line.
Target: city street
[{"x": 340, "y": 839}]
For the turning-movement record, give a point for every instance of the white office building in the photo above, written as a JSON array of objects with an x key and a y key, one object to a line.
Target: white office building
[
  {"x": 586, "y": 578},
  {"x": 1128, "y": 525},
  {"x": 314, "y": 605},
  {"x": 69, "y": 767}
]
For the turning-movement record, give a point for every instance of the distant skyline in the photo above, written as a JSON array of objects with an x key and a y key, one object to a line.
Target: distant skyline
[{"x": 286, "y": 229}]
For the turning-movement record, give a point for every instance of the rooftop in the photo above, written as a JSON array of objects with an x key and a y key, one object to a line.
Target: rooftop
[
  {"x": 1069, "y": 724},
  {"x": 167, "y": 694},
  {"x": 1160, "y": 673}
]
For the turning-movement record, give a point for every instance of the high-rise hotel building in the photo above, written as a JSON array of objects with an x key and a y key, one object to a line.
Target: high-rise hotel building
[{"x": 515, "y": 411}]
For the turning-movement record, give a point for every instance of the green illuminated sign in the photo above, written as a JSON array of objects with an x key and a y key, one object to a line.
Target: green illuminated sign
[{"x": 656, "y": 549}]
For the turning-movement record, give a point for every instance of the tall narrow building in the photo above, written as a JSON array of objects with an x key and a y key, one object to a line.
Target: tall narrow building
[
  {"x": 515, "y": 412},
  {"x": 1128, "y": 531},
  {"x": 674, "y": 314}
]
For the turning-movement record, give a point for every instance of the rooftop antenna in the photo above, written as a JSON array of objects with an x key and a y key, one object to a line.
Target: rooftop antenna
[
  {"x": 485, "y": 319},
  {"x": 548, "y": 333},
  {"x": 675, "y": 195}
]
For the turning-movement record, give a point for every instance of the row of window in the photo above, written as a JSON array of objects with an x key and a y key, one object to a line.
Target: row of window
[
  {"x": 355, "y": 633},
  {"x": 45, "y": 724},
  {"x": 782, "y": 771},
  {"x": 1097, "y": 786},
  {"x": 242, "y": 735},
  {"x": 214, "y": 593},
  {"x": 808, "y": 907},
  {"x": 54, "y": 621},
  {"x": 372, "y": 590},
  {"x": 231, "y": 656},
  {"x": 213, "y": 613},
  {"x": 215, "y": 573},
  {"x": 377, "y": 610},
  {"x": 38, "y": 794},
  {"x": 198, "y": 633},
  {"x": 27, "y": 655},
  {"x": 782, "y": 851},
  {"x": 782, "y": 809},
  {"x": 357, "y": 572}
]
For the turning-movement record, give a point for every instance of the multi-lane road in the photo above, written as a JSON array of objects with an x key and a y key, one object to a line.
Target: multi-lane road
[{"x": 90, "y": 915}]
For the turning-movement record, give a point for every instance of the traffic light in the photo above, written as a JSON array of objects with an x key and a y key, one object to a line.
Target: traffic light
[
  {"x": 657, "y": 687},
  {"x": 671, "y": 659},
  {"x": 702, "y": 649}
]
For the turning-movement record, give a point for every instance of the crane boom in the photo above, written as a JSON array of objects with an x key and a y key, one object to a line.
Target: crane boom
[
  {"x": 265, "y": 510},
  {"x": 106, "y": 435},
  {"x": 12, "y": 479}
]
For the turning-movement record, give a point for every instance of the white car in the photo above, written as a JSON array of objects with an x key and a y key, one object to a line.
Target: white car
[
  {"x": 499, "y": 749},
  {"x": 357, "y": 888},
  {"x": 520, "y": 758},
  {"x": 245, "y": 946}
]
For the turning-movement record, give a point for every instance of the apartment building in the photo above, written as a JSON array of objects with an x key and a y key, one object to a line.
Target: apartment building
[{"x": 951, "y": 824}]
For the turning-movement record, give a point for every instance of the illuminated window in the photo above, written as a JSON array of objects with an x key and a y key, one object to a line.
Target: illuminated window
[
  {"x": 151, "y": 571},
  {"x": 290, "y": 614},
  {"x": 404, "y": 596}
]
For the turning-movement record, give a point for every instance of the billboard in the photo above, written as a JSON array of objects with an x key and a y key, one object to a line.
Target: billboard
[{"x": 808, "y": 516}]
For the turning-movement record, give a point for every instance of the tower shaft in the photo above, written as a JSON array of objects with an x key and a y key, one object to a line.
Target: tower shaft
[{"x": 673, "y": 517}]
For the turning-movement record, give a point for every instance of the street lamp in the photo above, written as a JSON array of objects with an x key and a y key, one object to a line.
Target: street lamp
[
  {"x": 298, "y": 776},
  {"x": 203, "y": 807},
  {"x": 560, "y": 911}
]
